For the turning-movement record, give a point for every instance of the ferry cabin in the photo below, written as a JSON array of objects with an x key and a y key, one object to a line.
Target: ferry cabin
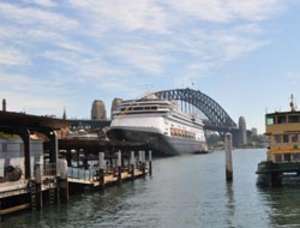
[{"x": 283, "y": 131}]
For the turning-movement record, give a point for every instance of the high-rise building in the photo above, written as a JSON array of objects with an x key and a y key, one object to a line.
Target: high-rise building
[
  {"x": 254, "y": 132},
  {"x": 242, "y": 131},
  {"x": 98, "y": 111},
  {"x": 4, "y": 105},
  {"x": 115, "y": 103}
]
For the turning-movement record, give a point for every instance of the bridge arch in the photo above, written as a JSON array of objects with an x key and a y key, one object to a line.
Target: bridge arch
[{"x": 216, "y": 115}]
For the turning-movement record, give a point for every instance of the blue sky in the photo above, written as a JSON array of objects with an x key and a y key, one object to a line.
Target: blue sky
[{"x": 56, "y": 53}]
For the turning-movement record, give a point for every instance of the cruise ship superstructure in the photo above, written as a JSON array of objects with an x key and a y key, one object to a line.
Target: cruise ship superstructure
[{"x": 160, "y": 124}]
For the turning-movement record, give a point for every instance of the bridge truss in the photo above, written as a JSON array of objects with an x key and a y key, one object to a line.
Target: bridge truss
[{"x": 218, "y": 118}]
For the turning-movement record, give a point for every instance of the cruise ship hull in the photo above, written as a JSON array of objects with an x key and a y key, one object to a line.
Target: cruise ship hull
[{"x": 160, "y": 144}]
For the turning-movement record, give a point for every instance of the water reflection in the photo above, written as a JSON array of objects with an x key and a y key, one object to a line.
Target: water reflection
[
  {"x": 230, "y": 205},
  {"x": 283, "y": 204},
  {"x": 188, "y": 191}
]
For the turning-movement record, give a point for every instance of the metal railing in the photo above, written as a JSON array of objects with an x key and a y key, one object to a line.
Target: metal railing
[
  {"x": 49, "y": 169},
  {"x": 82, "y": 174}
]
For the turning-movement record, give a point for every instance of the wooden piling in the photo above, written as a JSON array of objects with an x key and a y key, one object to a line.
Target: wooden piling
[
  {"x": 38, "y": 187},
  {"x": 119, "y": 165},
  {"x": 1, "y": 215},
  {"x": 132, "y": 164},
  {"x": 228, "y": 152},
  {"x": 150, "y": 162},
  {"x": 63, "y": 185},
  {"x": 102, "y": 164}
]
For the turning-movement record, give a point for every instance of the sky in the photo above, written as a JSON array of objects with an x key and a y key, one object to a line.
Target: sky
[{"x": 57, "y": 54}]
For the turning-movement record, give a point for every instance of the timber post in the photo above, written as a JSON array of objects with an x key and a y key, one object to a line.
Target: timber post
[{"x": 228, "y": 152}]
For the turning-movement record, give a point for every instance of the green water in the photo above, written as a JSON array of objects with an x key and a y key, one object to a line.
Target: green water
[{"x": 187, "y": 191}]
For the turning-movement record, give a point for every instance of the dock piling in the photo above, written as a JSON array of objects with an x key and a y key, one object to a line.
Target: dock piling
[
  {"x": 132, "y": 164},
  {"x": 63, "y": 185},
  {"x": 38, "y": 187},
  {"x": 150, "y": 162},
  {"x": 119, "y": 165},
  {"x": 102, "y": 164},
  {"x": 228, "y": 152}
]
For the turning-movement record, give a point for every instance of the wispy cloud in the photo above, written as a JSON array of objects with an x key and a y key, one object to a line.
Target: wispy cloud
[
  {"x": 111, "y": 45},
  {"x": 11, "y": 56}
]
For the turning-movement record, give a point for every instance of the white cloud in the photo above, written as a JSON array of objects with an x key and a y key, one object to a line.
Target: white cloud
[
  {"x": 106, "y": 44},
  {"x": 43, "y": 3},
  {"x": 10, "y": 56},
  {"x": 31, "y": 16},
  {"x": 132, "y": 15},
  {"x": 140, "y": 56},
  {"x": 40, "y": 96},
  {"x": 227, "y": 11}
]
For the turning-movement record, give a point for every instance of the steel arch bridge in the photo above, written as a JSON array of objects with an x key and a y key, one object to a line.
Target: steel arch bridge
[{"x": 218, "y": 118}]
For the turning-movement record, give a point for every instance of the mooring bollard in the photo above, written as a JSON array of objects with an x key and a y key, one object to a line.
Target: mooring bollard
[
  {"x": 119, "y": 165},
  {"x": 228, "y": 152},
  {"x": 150, "y": 162},
  {"x": 102, "y": 164}
]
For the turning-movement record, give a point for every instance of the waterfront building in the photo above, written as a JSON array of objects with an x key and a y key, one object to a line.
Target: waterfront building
[
  {"x": 242, "y": 131},
  {"x": 98, "y": 111},
  {"x": 115, "y": 103}
]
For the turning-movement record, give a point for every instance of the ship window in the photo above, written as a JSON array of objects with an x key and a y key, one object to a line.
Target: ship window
[
  {"x": 138, "y": 108},
  {"x": 294, "y": 118},
  {"x": 270, "y": 120},
  {"x": 281, "y": 119},
  {"x": 287, "y": 157},
  {"x": 285, "y": 139},
  {"x": 277, "y": 138}
]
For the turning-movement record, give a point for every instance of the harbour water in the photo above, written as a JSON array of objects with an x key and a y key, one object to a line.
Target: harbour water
[{"x": 186, "y": 191}]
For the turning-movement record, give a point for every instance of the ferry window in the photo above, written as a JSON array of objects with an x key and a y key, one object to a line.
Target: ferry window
[
  {"x": 294, "y": 118},
  {"x": 296, "y": 157},
  {"x": 270, "y": 120},
  {"x": 277, "y": 138},
  {"x": 294, "y": 138},
  {"x": 287, "y": 157},
  {"x": 285, "y": 139},
  {"x": 277, "y": 158},
  {"x": 281, "y": 119}
]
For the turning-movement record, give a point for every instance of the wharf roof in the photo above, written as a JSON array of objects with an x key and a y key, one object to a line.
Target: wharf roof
[{"x": 16, "y": 119}]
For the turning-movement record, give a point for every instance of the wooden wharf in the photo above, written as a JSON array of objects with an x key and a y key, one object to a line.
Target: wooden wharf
[{"x": 67, "y": 164}]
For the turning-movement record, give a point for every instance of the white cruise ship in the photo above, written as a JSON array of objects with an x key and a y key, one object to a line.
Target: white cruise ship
[{"x": 158, "y": 123}]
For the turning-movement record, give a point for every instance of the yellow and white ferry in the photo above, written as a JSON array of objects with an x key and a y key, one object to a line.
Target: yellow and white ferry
[{"x": 283, "y": 155}]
